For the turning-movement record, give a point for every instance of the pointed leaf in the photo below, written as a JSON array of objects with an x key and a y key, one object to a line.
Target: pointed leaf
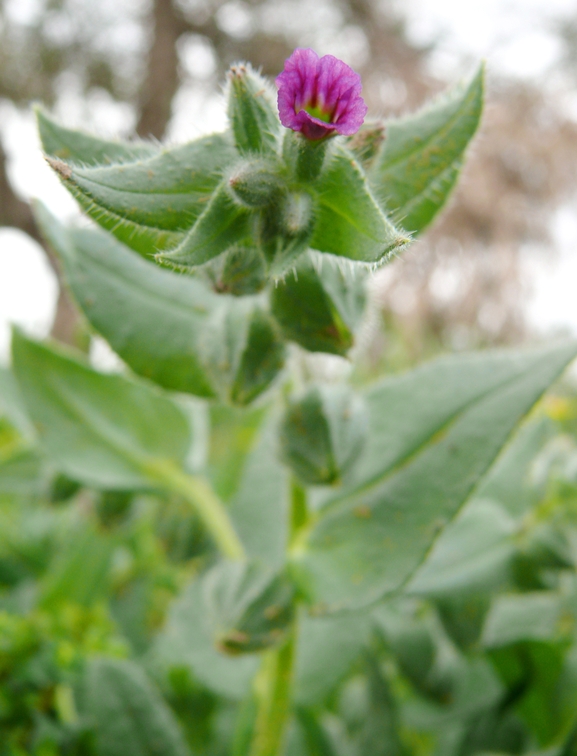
[
  {"x": 474, "y": 552},
  {"x": 252, "y": 111},
  {"x": 129, "y": 715},
  {"x": 223, "y": 224},
  {"x": 423, "y": 154},
  {"x": 150, "y": 204},
  {"x": 536, "y": 616},
  {"x": 509, "y": 482},
  {"x": 369, "y": 541},
  {"x": 242, "y": 350},
  {"x": 349, "y": 223},
  {"x": 102, "y": 430},
  {"x": 319, "y": 309},
  {"x": 84, "y": 149},
  {"x": 322, "y": 433},
  {"x": 152, "y": 318}
]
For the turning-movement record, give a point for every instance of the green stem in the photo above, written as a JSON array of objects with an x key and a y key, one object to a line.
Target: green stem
[
  {"x": 273, "y": 693},
  {"x": 299, "y": 510},
  {"x": 307, "y": 155},
  {"x": 273, "y": 684},
  {"x": 197, "y": 492}
]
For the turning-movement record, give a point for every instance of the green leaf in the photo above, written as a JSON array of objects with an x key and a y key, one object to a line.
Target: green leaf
[
  {"x": 473, "y": 553},
  {"x": 241, "y": 349},
  {"x": 186, "y": 640},
  {"x": 284, "y": 231},
  {"x": 366, "y": 144},
  {"x": 129, "y": 715},
  {"x": 223, "y": 224},
  {"x": 259, "y": 508},
  {"x": 257, "y": 183},
  {"x": 319, "y": 309},
  {"x": 84, "y": 149},
  {"x": 380, "y": 734},
  {"x": 102, "y": 430},
  {"x": 151, "y": 317},
  {"x": 239, "y": 271},
  {"x": 80, "y": 572},
  {"x": 23, "y": 474},
  {"x": 252, "y": 111},
  {"x": 12, "y": 404},
  {"x": 314, "y": 741},
  {"x": 535, "y": 616},
  {"x": 413, "y": 637},
  {"x": 423, "y": 154},
  {"x": 327, "y": 648},
  {"x": 322, "y": 433},
  {"x": 349, "y": 223},
  {"x": 150, "y": 204},
  {"x": 434, "y": 434},
  {"x": 509, "y": 481},
  {"x": 544, "y": 679},
  {"x": 233, "y": 436}
]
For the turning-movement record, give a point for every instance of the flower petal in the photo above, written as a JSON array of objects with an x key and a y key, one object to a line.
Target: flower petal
[{"x": 326, "y": 84}]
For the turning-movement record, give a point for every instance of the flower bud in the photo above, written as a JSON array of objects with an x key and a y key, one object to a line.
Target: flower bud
[
  {"x": 250, "y": 607},
  {"x": 241, "y": 350},
  {"x": 322, "y": 434},
  {"x": 319, "y": 309},
  {"x": 240, "y": 271},
  {"x": 285, "y": 230},
  {"x": 255, "y": 183},
  {"x": 366, "y": 143},
  {"x": 251, "y": 111}
]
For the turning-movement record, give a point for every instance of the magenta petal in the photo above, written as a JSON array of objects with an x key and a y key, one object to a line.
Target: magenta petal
[{"x": 324, "y": 84}]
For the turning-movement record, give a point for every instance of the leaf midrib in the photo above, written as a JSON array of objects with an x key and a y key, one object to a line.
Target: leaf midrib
[{"x": 406, "y": 459}]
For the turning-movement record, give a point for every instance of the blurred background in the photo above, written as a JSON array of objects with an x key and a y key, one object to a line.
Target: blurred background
[{"x": 501, "y": 265}]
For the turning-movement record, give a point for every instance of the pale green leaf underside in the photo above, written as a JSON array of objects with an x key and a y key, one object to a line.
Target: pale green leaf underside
[{"x": 434, "y": 435}]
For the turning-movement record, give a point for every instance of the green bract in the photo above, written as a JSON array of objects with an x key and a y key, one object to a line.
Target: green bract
[{"x": 192, "y": 203}]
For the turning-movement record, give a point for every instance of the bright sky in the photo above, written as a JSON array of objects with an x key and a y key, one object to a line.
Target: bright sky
[{"x": 513, "y": 35}]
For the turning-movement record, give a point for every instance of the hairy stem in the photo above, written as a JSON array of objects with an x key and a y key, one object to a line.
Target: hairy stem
[
  {"x": 306, "y": 155},
  {"x": 198, "y": 493},
  {"x": 273, "y": 693},
  {"x": 273, "y": 684},
  {"x": 299, "y": 510}
]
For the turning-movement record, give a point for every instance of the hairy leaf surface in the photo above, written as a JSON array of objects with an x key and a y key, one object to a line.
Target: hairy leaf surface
[
  {"x": 434, "y": 435},
  {"x": 423, "y": 154}
]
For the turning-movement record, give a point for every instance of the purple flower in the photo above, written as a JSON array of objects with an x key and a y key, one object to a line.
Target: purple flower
[{"x": 319, "y": 96}]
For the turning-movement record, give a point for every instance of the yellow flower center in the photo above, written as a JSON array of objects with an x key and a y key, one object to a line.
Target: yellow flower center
[{"x": 316, "y": 112}]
